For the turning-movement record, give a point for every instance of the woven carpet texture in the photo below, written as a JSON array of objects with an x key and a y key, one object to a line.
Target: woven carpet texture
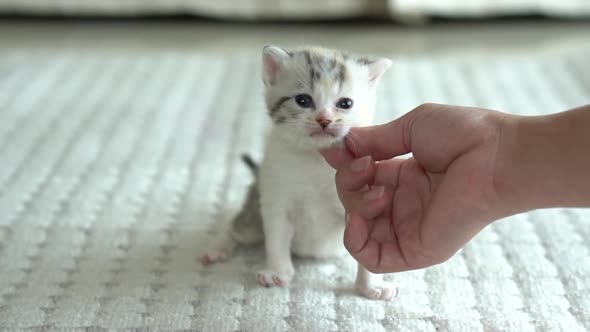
[{"x": 115, "y": 167}]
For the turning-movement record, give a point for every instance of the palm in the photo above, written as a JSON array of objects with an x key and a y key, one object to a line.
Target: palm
[
  {"x": 395, "y": 234},
  {"x": 412, "y": 230}
]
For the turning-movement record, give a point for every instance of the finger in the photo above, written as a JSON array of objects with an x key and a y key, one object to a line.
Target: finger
[
  {"x": 384, "y": 141},
  {"x": 366, "y": 201},
  {"x": 367, "y": 204},
  {"x": 358, "y": 242},
  {"x": 337, "y": 157},
  {"x": 366, "y": 194},
  {"x": 387, "y": 172},
  {"x": 356, "y": 175}
]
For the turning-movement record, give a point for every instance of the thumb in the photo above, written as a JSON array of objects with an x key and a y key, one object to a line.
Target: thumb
[
  {"x": 382, "y": 142},
  {"x": 337, "y": 157}
]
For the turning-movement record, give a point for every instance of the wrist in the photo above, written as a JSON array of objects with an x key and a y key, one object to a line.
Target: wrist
[
  {"x": 543, "y": 161},
  {"x": 515, "y": 159}
]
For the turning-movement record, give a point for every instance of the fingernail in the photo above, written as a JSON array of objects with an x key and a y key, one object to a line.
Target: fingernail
[
  {"x": 374, "y": 194},
  {"x": 361, "y": 164}
]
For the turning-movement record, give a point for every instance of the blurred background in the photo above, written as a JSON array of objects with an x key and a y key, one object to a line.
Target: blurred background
[{"x": 401, "y": 26}]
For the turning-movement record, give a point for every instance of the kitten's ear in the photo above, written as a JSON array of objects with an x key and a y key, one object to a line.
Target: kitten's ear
[
  {"x": 273, "y": 58},
  {"x": 377, "y": 67}
]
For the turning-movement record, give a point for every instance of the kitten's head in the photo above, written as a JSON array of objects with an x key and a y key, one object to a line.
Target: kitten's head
[{"x": 315, "y": 95}]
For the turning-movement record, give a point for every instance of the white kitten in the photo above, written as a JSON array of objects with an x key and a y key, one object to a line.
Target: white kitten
[{"x": 313, "y": 96}]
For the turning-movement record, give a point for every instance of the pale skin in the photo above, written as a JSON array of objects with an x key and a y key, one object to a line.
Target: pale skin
[{"x": 469, "y": 168}]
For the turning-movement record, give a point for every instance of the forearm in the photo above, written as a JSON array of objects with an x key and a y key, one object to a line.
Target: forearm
[{"x": 544, "y": 161}]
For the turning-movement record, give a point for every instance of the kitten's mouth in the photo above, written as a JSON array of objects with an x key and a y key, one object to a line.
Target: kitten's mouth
[{"x": 324, "y": 133}]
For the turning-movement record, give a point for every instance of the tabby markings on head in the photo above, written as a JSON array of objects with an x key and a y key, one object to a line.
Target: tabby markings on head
[
  {"x": 277, "y": 106},
  {"x": 320, "y": 67},
  {"x": 332, "y": 68}
]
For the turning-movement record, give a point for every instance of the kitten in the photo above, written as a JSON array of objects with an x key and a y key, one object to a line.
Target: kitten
[{"x": 313, "y": 96}]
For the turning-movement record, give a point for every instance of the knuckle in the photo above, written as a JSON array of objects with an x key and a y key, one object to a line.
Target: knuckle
[
  {"x": 426, "y": 107},
  {"x": 422, "y": 107}
]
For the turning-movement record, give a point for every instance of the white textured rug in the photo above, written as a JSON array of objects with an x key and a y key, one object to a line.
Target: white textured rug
[{"x": 113, "y": 166}]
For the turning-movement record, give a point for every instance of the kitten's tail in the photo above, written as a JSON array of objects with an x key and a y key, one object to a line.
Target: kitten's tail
[
  {"x": 250, "y": 163},
  {"x": 247, "y": 226}
]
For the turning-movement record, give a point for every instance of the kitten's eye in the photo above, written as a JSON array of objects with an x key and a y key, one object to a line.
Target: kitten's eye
[
  {"x": 344, "y": 103},
  {"x": 304, "y": 100}
]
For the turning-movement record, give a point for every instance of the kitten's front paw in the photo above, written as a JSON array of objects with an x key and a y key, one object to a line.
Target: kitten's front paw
[
  {"x": 377, "y": 291},
  {"x": 268, "y": 278},
  {"x": 214, "y": 256}
]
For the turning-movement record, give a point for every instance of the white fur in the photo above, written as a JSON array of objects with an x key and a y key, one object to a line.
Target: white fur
[{"x": 297, "y": 187}]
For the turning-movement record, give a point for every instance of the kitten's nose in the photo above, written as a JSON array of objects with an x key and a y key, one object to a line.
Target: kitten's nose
[{"x": 323, "y": 122}]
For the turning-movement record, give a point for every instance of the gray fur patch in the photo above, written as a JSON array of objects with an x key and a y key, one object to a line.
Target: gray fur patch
[
  {"x": 250, "y": 163},
  {"x": 312, "y": 72},
  {"x": 277, "y": 106},
  {"x": 307, "y": 57},
  {"x": 332, "y": 68},
  {"x": 328, "y": 64},
  {"x": 280, "y": 119},
  {"x": 247, "y": 226},
  {"x": 364, "y": 61},
  {"x": 316, "y": 75},
  {"x": 342, "y": 75}
]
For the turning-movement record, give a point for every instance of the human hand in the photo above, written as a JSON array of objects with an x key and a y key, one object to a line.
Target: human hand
[{"x": 410, "y": 213}]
